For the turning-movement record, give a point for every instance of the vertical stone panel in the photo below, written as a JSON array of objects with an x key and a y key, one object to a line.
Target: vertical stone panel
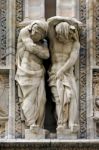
[
  {"x": 90, "y": 20},
  {"x": 36, "y": 9},
  {"x": 65, "y": 8},
  {"x": 96, "y": 73},
  {"x": 96, "y": 101},
  {"x": 2, "y": 32},
  {"x": 10, "y": 45},
  {"x": 4, "y": 75},
  {"x": 33, "y": 9},
  {"x": 4, "y": 99},
  {"x": 19, "y": 18},
  {"x": 97, "y": 32},
  {"x": 82, "y": 71}
]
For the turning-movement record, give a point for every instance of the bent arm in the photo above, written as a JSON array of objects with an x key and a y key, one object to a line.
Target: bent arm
[
  {"x": 38, "y": 50},
  {"x": 57, "y": 19},
  {"x": 73, "y": 57}
]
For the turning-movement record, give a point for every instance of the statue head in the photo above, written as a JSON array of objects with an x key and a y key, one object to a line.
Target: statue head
[
  {"x": 65, "y": 32},
  {"x": 38, "y": 30}
]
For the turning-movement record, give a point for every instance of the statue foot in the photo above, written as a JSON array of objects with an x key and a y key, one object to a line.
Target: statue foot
[
  {"x": 74, "y": 128},
  {"x": 60, "y": 127},
  {"x": 33, "y": 126}
]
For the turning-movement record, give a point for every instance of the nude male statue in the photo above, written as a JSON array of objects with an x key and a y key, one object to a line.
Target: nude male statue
[
  {"x": 31, "y": 50},
  {"x": 64, "y": 47}
]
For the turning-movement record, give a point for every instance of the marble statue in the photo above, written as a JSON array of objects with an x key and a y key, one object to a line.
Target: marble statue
[
  {"x": 31, "y": 50},
  {"x": 63, "y": 34}
]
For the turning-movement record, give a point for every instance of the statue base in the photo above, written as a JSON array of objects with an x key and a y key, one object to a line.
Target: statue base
[
  {"x": 35, "y": 133},
  {"x": 66, "y": 134}
]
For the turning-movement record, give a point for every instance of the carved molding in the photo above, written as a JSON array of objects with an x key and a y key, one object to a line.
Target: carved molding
[{"x": 50, "y": 145}]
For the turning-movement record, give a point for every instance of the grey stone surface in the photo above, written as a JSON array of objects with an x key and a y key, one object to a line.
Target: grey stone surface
[
  {"x": 49, "y": 144},
  {"x": 66, "y": 134},
  {"x": 35, "y": 133},
  {"x": 89, "y": 54}
]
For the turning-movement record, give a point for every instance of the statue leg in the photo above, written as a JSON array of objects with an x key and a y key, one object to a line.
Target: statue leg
[
  {"x": 73, "y": 115},
  {"x": 59, "y": 107},
  {"x": 29, "y": 105},
  {"x": 73, "y": 111},
  {"x": 65, "y": 115}
]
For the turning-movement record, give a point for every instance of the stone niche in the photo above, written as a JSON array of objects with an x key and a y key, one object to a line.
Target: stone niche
[
  {"x": 61, "y": 86},
  {"x": 12, "y": 124}
]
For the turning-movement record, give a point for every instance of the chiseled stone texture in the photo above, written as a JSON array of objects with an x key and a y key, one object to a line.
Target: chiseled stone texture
[
  {"x": 35, "y": 133},
  {"x": 49, "y": 145},
  {"x": 66, "y": 134}
]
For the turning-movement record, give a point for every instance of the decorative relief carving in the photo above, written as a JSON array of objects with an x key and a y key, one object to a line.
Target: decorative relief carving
[
  {"x": 96, "y": 99},
  {"x": 2, "y": 32},
  {"x": 96, "y": 94},
  {"x": 82, "y": 72},
  {"x": 4, "y": 87},
  {"x": 97, "y": 32},
  {"x": 19, "y": 18},
  {"x": 19, "y": 10}
]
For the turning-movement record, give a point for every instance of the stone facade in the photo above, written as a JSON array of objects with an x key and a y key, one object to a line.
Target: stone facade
[{"x": 86, "y": 70}]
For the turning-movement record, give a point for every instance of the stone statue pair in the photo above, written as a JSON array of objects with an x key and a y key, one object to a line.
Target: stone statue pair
[{"x": 63, "y": 35}]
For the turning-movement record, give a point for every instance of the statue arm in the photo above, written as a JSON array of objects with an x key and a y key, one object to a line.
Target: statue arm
[
  {"x": 38, "y": 50},
  {"x": 57, "y": 19}
]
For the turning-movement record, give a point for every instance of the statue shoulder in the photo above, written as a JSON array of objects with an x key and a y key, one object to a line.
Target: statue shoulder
[{"x": 24, "y": 32}]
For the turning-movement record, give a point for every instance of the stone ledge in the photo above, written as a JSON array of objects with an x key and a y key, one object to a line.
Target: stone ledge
[{"x": 49, "y": 144}]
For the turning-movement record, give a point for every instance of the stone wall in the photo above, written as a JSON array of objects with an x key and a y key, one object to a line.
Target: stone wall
[{"x": 87, "y": 67}]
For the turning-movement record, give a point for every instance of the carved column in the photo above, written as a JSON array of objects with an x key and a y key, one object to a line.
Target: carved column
[
  {"x": 90, "y": 4},
  {"x": 11, "y": 63},
  {"x": 19, "y": 126}
]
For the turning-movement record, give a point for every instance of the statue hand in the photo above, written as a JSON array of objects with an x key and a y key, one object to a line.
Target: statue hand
[{"x": 60, "y": 74}]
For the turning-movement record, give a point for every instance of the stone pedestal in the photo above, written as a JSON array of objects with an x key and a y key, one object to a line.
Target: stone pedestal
[
  {"x": 66, "y": 134},
  {"x": 35, "y": 133}
]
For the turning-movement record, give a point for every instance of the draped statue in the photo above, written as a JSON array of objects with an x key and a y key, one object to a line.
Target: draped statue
[{"x": 31, "y": 50}]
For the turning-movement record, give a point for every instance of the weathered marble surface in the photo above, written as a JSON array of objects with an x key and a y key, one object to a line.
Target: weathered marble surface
[
  {"x": 88, "y": 15},
  {"x": 31, "y": 50},
  {"x": 64, "y": 47},
  {"x": 35, "y": 133}
]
